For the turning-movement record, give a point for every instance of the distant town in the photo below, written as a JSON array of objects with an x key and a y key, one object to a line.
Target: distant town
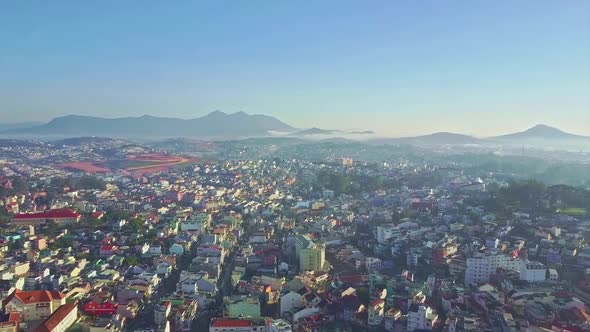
[{"x": 283, "y": 234}]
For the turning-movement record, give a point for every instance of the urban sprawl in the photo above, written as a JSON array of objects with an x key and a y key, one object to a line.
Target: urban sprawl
[{"x": 105, "y": 235}]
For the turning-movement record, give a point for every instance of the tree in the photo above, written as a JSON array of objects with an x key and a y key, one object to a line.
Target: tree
[
  {"x": 20, "y": 185},
  {"x": 132, "y": 260},
  {"x": 136, "y": 225},
  {"x": 115, "y": 214},
  {"x": 94, "y": 223},
  {"x": 82, "y": 182},
  {"x": 51, "y": 228},
  {"x": 363, "y": 295},
  {"x": 525, "y": 194}
]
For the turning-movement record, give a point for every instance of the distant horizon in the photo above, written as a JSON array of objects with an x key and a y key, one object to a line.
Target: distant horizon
[
  {"x": 400, "y": 68},
  {"x": 442, "y": 130}
]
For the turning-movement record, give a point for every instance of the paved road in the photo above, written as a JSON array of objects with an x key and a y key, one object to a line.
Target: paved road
[
  {"x": 224, "y": 283},
  {"x": 203, "y": 319},
  {"x": 145, "y": 317}
]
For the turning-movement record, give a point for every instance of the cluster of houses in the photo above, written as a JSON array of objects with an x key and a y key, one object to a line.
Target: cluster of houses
[{"x": 260, "y": 246}]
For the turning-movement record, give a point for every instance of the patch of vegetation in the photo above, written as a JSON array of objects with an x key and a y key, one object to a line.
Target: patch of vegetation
[
  {"x": 551, "y": 172},
  {"x": 82, "y": 182},
  {"x": 536, "y": 196},
  {"x": 574, "y": 212},
  {"x": 352, "y": 184}
]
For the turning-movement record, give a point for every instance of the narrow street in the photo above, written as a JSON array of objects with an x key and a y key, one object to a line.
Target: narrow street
[
  {"x": 201, "y": 323},
  {"x": 145, "y": 317},
  {"x": 224, "y": 283}
]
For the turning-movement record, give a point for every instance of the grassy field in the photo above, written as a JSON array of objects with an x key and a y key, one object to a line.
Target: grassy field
[{"x": 574, "y": 212}]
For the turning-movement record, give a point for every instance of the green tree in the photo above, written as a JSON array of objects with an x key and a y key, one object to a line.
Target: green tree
[
  {"x": 132, "y": 260},
  {"x": 363, "y": 295}
]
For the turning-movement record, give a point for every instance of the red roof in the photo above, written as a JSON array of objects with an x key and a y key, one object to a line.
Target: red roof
[
  {"x": 231, "y": 323},
  {"x": 377, "y": 302},
  {"x": 106, "y": 247},
  {"x": 12, "y": 321},
  {"x": 97, "y": 214},
  {"x": 52, "y": 321},
  {"x": 353, "y": 279},
  {"x": 14, "y": 316},
  {"x": 37, "y": 296},
  {"x": 51, "y": 214}
]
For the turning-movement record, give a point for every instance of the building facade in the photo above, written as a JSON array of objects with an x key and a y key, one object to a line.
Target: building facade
[
  {"x": 34, "y": 305},
  {"x": 64, "y": 317}
]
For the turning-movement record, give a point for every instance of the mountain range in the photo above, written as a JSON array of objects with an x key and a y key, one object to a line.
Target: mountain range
[
  {"x": 18, "y": 125},
  {"x": 212, "y": 125},
  {"x": 220, "y": 125}
]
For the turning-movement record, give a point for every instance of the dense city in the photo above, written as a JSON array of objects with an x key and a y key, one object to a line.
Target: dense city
[{"x": 105, "y": 235}]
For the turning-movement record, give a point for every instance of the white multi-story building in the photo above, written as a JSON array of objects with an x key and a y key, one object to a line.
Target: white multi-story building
[
  {"x": 162, "y": 312},
  {"x": 386, "y": 232},
  {"x": 412, "y": 258},
  {"x": 532, "y": 271},
  {"x": 191, "y": 225},
  {"x": 373, "y": 264},
  {"x": 481, "y": 266},
  {"x": 420, "y": 317},
  {"x": 291, "y": 301},
  {"x": 553, "y": 275}
]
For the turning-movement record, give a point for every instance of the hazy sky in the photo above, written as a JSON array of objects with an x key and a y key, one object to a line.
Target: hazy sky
[{"x": 397, "y": 67}]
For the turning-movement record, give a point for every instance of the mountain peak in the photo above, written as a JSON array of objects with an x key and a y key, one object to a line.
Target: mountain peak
[
  {"x": 540, "y": 131},
  {"x": 543, "y": 129},
  {"x": 216, "y": 113}
]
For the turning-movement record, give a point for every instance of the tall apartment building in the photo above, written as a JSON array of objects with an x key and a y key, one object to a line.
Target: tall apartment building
[
  {"x": 481, "y": 266},
  {"x": 532, "y": 271},
  {"x": 313, "y": 258},
  {"x": 386, "y": 232},
  {"x": 311, "y": 255},
  {"x": 420, "y": 317}
]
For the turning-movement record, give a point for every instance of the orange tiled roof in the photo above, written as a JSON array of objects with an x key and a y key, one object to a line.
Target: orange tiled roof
[
  {"x": 37, "y": 296},
  {"x": 52, "y": 321}
]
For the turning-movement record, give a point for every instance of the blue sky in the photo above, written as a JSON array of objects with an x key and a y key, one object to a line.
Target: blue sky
[{"x": 397, "y": 67}]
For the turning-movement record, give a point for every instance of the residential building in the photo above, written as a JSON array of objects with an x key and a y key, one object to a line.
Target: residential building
[
  {"x": 290, "y": 301},
  {"x": 34, "y": 305},
  {"x": 242, "y": 306},
  {"x": 237, "y": 325},
  {"x": 373, "y": 264},
  {"x": 59, "y": 321},
  {"x": 375, "y": 311},
  {"x": 11, "y": 324},
  {"x": 420, "y": 317},
  {"x": 313, "y": 256},
  {"x": 532, "y": 271},
  {"x": 59, "y": 216},
  {"x": 481, "y": 266}
]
